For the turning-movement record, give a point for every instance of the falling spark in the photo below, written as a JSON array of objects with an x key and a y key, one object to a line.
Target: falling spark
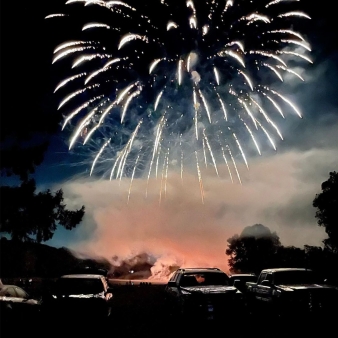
[
  {"x": 199, "y": 178},
  {"x": 216, "y": 75},
  {"x": 158, "y": 100},
  {"x": 97, "y": 156},
  {"x": 241, "y": 150},
  {"x": 95, "y": 25},
  {"x": 130, "y": 37}
]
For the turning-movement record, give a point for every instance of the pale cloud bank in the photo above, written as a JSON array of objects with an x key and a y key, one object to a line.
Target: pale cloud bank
[{"x": 177, "y": 228}]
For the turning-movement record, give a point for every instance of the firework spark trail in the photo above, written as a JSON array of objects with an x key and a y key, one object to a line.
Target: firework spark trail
[
  {"x": 210, "y": 152},
  {"x": 199, "y": 178},
  {"x": 98, "y": 155},
  {"x": 212, "y": 61},
  {"x": 226, "y": 163},
  {"x": 234, "y": 163},
  {"x": 71, "y": 78}
]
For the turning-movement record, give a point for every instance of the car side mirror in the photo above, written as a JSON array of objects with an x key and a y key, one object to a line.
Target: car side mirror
[{"x": 266, "y": 282}]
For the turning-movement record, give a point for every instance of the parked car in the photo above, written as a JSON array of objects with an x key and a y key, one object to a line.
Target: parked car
[
  {"x": 203, "y": 293},
  {"x": 239, "y": 280},
  {"x": 17, "y": 304},
  {"x": 85, "y": 295},
  {"x": 292, "y": 292}
]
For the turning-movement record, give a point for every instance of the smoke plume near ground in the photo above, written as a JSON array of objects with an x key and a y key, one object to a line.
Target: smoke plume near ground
[{"x": 176, "y": 229}]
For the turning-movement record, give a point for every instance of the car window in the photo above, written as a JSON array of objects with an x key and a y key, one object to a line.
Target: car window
[
  {"x": 9, "y": 292},
  {"x": 77, "y": 286},
  {"x": 21, "y": 293},
  {"x": 262, "y": 277},
  {"x": 296, "y": 277},
  {"x": 207, "y": 278}
]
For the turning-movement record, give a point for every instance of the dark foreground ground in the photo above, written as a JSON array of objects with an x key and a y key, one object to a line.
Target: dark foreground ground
[{"x": 141, "y": 311}]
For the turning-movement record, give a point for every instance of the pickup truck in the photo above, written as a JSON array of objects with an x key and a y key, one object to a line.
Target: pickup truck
[{"x": 291, "y": 291}]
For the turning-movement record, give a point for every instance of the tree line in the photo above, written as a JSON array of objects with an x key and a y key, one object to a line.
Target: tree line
[{"x": 258, "y": 248}]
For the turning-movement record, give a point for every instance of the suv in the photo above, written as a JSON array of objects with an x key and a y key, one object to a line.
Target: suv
[
  {"x": 203, "y": 293},
  {"x": 80, "y": 294}
]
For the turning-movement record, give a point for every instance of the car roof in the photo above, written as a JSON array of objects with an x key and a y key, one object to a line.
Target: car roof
[
  {"x": 286, "y": 269},
  {"x": 83, "y": 275},
  {"x": 243, "y": 275},
  {"x": 200, "y": 270}
]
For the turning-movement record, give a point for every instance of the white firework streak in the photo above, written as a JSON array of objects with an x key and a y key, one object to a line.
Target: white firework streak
[
  {"x": 226, "y": 162},
  {"x": 252, "y": 136},
  {"x": 136, "y": 93},
  {"x": 193, "y": 22},
  {"x": 97, "y": 72},
  {"x": 157, "y": 160},
  {"x": 228, "y": 4},
  {"x": 68, "y": 44},
  {"x": 247, "y": 79},
  {"x": 233, "y": 55},
  {"x": 196, "y": 116},
  {"x": 210, "y": 151},
  {"x": 241, "y": 150},
  {"x": 71, "y": 51},
  {"x": 98, "y": 155},
  {"x": 158, "y": 100},
  {"x": 199, "y": 178},
  {"x": 267, "y": 118},
  {"x": 171, "y": 24},
  {"x": 114, "y": 3},
  {"x": 238, "y": 43},
  {"x": 223, "y": 107},
  {"x": 275, "y": 105},
  {"x": 295, "y": 13},
  {"x": 95, "y": 25},
  {"x": 156, "y": 147},
  {"x": 267, "y": 134},
  {"x": 288, "y": 102},
  {"x": 205, "y": 105},
  {"x": 248, "y": 111},
  {"x": 106, "y": 111},
  {"x": 288, "y": 31},
  {"x": 204, "y": 154},
  {"x": 296, "y": 54},
  {"x": 154, "y": 64},
  {"x": 179, "y": 71},
  {"x": 77, "y": 110},
  {"x": 181, "y": 157},
  {"x": 89, "y": 58},
  {"x": 273, "y": 56},
  {"x": 83, "y": 123},
  {"x": 125, "y": 92},
  {"x": 64, "y": 82},
  {"x": 290, "y": 71},
  {"x": 127, "y": 149},
  {"x": 130, "y": 37},
  {"x": 97, "y": 126},
  {"x": 216, "y": 75},
  {"x": 256, "y": 17},
  {"x": 278, "y": 1},
  {"x": 234, "y": 163},
  {"x": 72, "y": 95},
  {"x": 296, "y": 42},
  {"x": 54, "y": 15},
  {"x": 274, "y": 70}
]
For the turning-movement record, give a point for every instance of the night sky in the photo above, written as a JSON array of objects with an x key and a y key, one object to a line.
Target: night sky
[{"x": 277, "y": 190}]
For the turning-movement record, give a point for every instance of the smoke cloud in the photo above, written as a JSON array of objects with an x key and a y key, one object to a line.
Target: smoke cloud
[{"x": 175, "y": 228}]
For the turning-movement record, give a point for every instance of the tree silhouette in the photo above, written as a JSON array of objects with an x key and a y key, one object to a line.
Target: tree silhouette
[
  {"x": 327, "y": 211},
  {"x": 30, "y": 216},
  {"x": 253, "y": 250}
]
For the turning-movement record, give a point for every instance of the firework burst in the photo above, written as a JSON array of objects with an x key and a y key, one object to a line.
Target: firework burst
[{"x": 172, "y": 84}]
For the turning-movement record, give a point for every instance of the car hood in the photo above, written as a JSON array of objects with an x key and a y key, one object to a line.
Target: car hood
[
  {"x": 309, "y": 287},
  {"x": 79, "y": 296},
  {"x": 210, "y": 289}
]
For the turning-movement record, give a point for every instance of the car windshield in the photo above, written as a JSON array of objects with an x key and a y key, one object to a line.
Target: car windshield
[
  {"x": 295, "y": 277},
  {"x": 207, "y": 278},
  {"x": 77, "y": 286}
]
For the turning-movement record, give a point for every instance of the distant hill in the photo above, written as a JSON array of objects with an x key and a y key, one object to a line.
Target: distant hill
[{"x": 38, "y": 260}]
